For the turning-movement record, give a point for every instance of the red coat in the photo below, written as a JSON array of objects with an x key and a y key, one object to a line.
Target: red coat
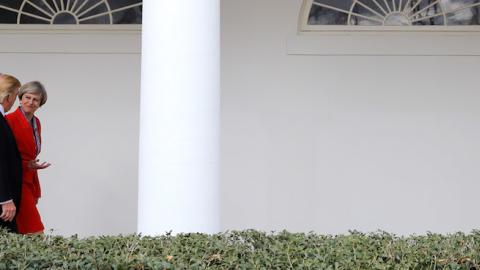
[{"x": 28, "y": 219}]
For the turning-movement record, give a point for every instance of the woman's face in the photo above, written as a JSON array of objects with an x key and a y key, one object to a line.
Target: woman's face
[{"x": 30, "y": 102}]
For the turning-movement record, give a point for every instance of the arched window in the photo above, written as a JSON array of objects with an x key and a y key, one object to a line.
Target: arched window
[
  {"x": 415, "y": 13},
  {"x": 71, "y": 12}
]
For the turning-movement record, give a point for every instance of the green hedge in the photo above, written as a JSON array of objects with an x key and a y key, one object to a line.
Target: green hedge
[{"x": 243, "y": 250}]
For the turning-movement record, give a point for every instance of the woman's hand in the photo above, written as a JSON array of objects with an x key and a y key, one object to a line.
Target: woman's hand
[{"x": 34, "y": 165}]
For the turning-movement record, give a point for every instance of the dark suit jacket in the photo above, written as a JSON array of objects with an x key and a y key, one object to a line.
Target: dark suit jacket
[{"x": 10, "y": 170}]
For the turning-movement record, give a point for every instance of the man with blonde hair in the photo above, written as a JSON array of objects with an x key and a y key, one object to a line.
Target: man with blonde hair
[{"x": 10, "y": 161}]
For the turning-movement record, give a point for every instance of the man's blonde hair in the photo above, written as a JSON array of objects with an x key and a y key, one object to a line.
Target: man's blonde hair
[{"x": 8, "y": 85}]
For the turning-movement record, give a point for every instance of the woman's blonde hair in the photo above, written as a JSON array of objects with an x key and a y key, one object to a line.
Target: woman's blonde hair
[{"x": 8, "y": 85}]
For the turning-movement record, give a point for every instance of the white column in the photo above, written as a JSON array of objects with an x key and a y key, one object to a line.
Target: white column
[{"x": 179, "y": 117}]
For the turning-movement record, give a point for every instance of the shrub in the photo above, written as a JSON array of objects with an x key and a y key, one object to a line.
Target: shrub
[{"x": 242, "y": 250}]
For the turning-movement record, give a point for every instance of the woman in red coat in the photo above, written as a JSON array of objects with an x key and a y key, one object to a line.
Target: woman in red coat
[{"x": 26, "y": 129}]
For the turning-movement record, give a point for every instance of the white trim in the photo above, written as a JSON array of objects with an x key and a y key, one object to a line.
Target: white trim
[
  {"x": 71, "y": 39},
  {"x": 303, "y": 16},
  {"x": 70, "y": 28},
  {"x": 386, "y": 43},
  {"x": 421, "y": 29},
  {"x": 110, "y": 12}
]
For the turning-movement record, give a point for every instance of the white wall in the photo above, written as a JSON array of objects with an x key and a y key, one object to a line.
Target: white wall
[
  {"x": 309, "y": 142},
  {"x": 90, "y": 124},
  {"x": 336, "y": 142}
]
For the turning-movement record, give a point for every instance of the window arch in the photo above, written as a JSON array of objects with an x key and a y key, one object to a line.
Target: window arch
[
  {"x": 414, "y": 13},
  {"x": 71, "y": 12}
]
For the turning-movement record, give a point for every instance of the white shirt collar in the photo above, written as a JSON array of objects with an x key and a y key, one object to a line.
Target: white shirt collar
[{"x": 2, "y": 110}]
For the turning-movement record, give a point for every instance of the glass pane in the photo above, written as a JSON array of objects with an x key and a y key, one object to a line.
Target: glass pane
[
  {"x": 129, "y": 16},
  {"x": 340, "y": 4},
  {"x": 7, "y": 16},
  {"x": 35, "y": 10},
  {"x": 105, "y": 19},
  {"x": 438, "y": 20},
  {"x": 11, "y": 4},
  {"x": 463, "y": 14},
  {"x": 116, "y": 4},
  {"x": 65, "y": 18},
  {"x": 25, "y": 19},
  {"x": 94, "y": 11},
  {"x": 323, "y": 16},
  {"x": 365, "y": 15},
  {"x": 378, "y": 6}
]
